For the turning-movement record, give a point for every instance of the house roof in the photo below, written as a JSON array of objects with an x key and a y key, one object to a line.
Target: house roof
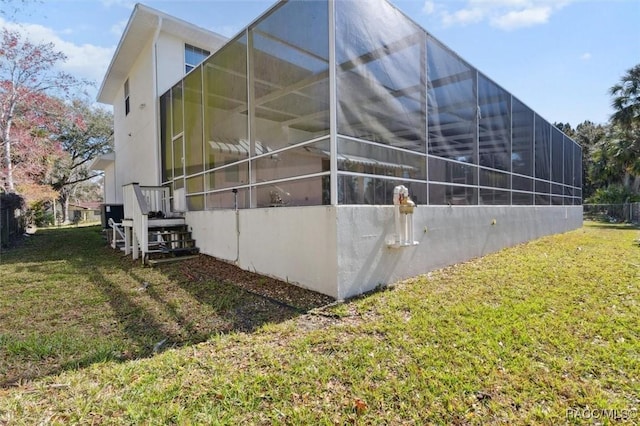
[
  {"x": 142, "y": 25},
  {"x": 86, "y": 205}
]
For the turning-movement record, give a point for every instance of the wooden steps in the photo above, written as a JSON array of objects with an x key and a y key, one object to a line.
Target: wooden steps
[
  {"x": 154, "y": 262},
  {"x": 167, "y": 241}
]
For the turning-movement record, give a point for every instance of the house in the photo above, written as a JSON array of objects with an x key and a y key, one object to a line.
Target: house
[
  {"x": 149, "y": 59},
  {"x": 290, "y": 149},
  {"x": 84, "y": 212}
]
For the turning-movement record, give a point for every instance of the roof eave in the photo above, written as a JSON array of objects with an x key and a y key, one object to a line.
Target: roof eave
[
  {"x": 144, "y": 21},
  {"x": 102, "y": 93},
  {"x": 103, "y": 161}
]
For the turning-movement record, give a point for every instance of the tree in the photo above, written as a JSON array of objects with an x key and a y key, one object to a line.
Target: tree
[
  {"x": 34, "y": 153},
  {"x": 83, "y": 133},
  {"x": 625, "y": 147},
  {"x": 626, "y": 126},
  {"x": 626, "y": 99},
  {"x": 589, "y": 134},
  {"x": 591, "y": 137},
  {"x": 27, "y": 76},
  {"x": 565, "y": 128},
  {"x": 611, "y": 152}
]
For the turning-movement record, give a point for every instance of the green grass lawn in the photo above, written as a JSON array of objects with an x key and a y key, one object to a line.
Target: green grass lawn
[
  {"x": 68, "y": 301},
  {"x": 523, "y": 336}
]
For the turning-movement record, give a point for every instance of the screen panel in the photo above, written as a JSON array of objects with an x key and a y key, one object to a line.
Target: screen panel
[
  {"x": 193, "y": 119},
  {"x": 361, "y": 157},
  {"x": 522, "y": 156},
  {"x": 543, "y": 148},
  {"x": 452, "y": 105},
  {"x": 289, "y": 54},
  {"x": 557, "y": 155},
  {"x": 381, "y": 75},
  {"x": 226, "y": 104},
  {"x": 494, "y": 125}
]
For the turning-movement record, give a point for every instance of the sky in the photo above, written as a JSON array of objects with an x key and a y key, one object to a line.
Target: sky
[{"x": 560, "y": 57}]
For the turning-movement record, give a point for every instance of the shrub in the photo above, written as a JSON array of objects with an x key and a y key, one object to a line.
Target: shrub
[
  {"x": 39, "y": 215},
  {"x": 613, "y": 194}
]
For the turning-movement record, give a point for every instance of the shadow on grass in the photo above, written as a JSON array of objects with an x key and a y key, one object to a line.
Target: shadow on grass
[
  {"x": 120, "y": 309},
  {"x": 609, "y": 225}
]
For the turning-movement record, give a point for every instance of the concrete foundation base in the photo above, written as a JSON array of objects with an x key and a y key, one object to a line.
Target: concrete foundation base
[{"x": 343, "y": 251}]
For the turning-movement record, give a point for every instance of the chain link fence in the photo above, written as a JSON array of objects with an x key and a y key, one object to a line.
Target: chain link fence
[{"x": 627, "y": 212}]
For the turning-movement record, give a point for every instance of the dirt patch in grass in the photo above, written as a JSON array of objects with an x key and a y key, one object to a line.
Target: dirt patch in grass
[{"x": 206, "y": 268}]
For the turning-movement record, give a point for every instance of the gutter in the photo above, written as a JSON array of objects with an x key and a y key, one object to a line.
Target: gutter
[{"x": 155, "y": 100}]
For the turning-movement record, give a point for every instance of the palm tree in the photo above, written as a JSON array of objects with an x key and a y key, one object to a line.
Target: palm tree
[
  {"x": 626, "y": 99},
  {"x": 626, "y": 125}
]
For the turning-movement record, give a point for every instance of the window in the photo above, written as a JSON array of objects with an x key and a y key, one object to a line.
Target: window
[
  {"x": 127, "y": 105},
  {"x": 193, "y": 56}
]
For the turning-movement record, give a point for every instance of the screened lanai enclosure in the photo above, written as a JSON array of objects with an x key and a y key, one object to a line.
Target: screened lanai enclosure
[
  {"x": 337, "y": 102},
  {"x": 284, "y": 148}
]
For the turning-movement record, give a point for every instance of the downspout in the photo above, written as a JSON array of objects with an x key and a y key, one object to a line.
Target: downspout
[
  {"x": 237, "y": 212},
  {"x": 156, "y": 111}
]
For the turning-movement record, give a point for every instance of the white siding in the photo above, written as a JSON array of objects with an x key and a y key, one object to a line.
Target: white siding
[
  {"x": 170, "y": 59},
  {"x": 111, "y": 194},
  {"x": 136, "y": 145}
]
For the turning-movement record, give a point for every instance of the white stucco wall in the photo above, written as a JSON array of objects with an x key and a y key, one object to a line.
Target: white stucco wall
[
  {"x": 342, "y": 251},
  {"x": 170, "y": 59},
  {"x": 294, "y": 244},
  {"x": 453, "y": 234},
  {"x": 215, "y": 232},
  {"x": 109, "y": 184}
]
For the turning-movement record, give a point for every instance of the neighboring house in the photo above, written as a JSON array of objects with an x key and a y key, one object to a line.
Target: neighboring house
[
  {"x": 88, "y": 211},
  {"x": 284, "y": 151}
]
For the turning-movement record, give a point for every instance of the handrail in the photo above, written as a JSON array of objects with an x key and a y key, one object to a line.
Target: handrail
[
  {"x": 128, "y": 198},
  {"x": 137, "y": 209},
  {"x": 157, "y": 198},
  {"x": 117, "y": 232},
  {"x": 139, "y": 201},
  {"x": 141, "y": 221}
]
